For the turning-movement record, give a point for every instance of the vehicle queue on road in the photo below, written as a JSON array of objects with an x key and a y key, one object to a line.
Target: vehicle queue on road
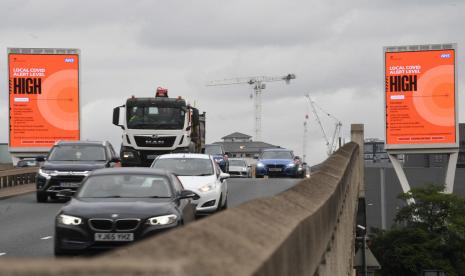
[{"x": 113, "y": 206}]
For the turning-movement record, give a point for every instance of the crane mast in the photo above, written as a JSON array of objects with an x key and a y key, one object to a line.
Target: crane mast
[
  {"x": 331, "y": 144},
  {"x": 258, "y": 83}
]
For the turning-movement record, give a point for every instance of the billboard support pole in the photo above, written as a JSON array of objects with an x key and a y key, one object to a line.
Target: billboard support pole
[
  {"x": 400, "y": 174},
  {"x": 450, "y": 173}
]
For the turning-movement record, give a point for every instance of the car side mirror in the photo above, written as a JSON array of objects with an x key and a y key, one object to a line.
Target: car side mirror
[
  {"x": 188, "y": 194},
  {"x": 65, "y": 193},
  {"x": 40, "y": 159},
  {"x": 224, "y": 176}
]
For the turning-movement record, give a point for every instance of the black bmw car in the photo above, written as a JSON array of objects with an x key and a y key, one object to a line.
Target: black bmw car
[{"x": 118, "y": 206}]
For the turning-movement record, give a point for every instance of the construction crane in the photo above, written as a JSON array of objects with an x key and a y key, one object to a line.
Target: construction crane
[
  {"x": 304, "y": 144},
  {"x": 331, "y": 144},
  {"x": 258, "y": 85}
]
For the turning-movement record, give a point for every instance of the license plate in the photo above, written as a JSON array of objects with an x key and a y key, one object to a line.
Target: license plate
[
  {"x": 151, "y": 156},
  {"x": 275, "y": 169},
  {"x": 69, "y": 184},
  {"x": 114, "y": 237}
]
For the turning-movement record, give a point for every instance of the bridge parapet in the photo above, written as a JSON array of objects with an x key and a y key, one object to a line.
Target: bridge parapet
[
  {"x": 306, "y": 230},
  {"x": 14, "y": 177}
]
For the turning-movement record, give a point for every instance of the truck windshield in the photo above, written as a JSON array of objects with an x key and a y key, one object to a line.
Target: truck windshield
[{"x": 155, "y": 117}]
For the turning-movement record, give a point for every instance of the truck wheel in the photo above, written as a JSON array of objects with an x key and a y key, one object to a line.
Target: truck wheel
[{"x": 41, "y": 197}]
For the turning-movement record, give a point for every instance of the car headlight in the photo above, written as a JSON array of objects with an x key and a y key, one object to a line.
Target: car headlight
[
  {"x": 260, "y": 165},
  {"x": 291, "y": 165},
  {"x": 162, "y": 220},
  {"x": 45, "y": 173},
  {"x": 206, "y": 188},
  {"x": 128, "y": 154},
  {"x": 68, "y": 220}
]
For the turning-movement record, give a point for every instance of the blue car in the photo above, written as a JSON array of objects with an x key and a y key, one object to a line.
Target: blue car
[
  {"x": 278, "y": 162},
  {"x": 219, "y": 155}
]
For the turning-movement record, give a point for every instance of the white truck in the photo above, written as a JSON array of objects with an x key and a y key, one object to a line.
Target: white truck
[{"x": 158, "y": 125}]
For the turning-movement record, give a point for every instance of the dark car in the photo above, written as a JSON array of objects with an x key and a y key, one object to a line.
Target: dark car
[
  {"x": 278, "y": 162},
  {"x": 27, "y": 162},
  {"x": 118, "y": 206},
  {"x": 68, "y": 162},
  {"x": 219, "y": 155}
]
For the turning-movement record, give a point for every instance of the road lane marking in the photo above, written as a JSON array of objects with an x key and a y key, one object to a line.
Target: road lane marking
[
  {"x": 46, "y": 237},
  {"x": 2, "y": 253}
]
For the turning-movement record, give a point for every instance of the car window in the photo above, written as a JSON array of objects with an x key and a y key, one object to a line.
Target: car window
[
  {"x": 77, "y": 153},
  {"x": 177, "y": 184},
  {"x": 185, "y": 166},
  {"x": 238, "y": 163},
  {"x": 125, "y": 185},
  {"x": 218, "y": 170},
  {"x": 112, "y": 151}
]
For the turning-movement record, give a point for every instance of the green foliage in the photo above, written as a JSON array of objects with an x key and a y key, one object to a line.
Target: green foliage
[{"x": 429, "y": 234}]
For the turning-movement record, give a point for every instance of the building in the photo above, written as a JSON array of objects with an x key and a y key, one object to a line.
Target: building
[
  {"x": 5, "y": 156},
  {"x": 241, "y": 145}
]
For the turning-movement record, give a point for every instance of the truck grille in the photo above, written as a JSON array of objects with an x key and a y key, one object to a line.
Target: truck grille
[{"x": 155, "y": 142}]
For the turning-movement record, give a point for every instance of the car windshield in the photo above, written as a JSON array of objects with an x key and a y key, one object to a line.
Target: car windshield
[
  {"x": 214, "y": 150},
  {"x": 185, "y": 166},
  {"x": 155, "y": 117},
  {"x": 276, "y": 155},
  {"x": 77, "y": 153},
  {"x": 238, "y": 163},
  {"x": 125, "y": 186}
]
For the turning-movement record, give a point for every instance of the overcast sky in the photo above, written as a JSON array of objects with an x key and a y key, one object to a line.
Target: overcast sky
[{"x": 333, "y": 46}]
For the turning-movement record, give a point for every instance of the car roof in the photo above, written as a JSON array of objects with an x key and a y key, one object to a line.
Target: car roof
[
  {"x": 184, "y": 155},
  {"x": 130, "y": 170},
  {"x": 84, "y": 143}
]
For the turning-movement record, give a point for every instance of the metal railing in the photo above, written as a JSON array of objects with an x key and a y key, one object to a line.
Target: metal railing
[{"x": 15, "y": 177}]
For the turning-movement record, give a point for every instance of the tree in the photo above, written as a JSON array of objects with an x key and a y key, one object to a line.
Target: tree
[{"x": 428, "y": 234}]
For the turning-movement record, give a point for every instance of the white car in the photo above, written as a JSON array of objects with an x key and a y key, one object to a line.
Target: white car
[
  {"x": 239, "y": 168},
  {"x": 201, "y": 174}
]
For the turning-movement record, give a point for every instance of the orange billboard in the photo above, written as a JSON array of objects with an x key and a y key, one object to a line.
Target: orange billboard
[
  {"x": 44, "y": 99},
  {"x": 420, "y": 99}
]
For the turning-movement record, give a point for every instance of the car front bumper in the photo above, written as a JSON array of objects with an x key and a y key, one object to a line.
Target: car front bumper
[
  {"x": 208, "y": 201},
  {"x": 80, "y": 239},
  {"x": 284, "y": 172}
]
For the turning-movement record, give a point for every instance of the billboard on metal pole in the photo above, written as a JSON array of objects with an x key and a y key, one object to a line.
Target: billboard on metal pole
[
  {"x": 420, "y": 97},
  {"x": 44, "y": 97}
]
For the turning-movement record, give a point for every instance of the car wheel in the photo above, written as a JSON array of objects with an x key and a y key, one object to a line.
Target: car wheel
[
  {"x": 219, "y": 203},
  {"x": 225, "y": 205},
  {"x": 41, "y": 197}
]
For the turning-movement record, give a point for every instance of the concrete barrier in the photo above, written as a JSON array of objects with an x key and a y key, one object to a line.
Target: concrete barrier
[
  {"x": 20, "y": 176},
  {"x": 307, "y": 230}
]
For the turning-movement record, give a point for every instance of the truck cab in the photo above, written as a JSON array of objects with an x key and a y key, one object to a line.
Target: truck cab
[{"x": 157, "y": 125}]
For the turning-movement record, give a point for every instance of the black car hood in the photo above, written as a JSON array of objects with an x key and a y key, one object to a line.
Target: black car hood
[
  {"x": 73, "y": 165},
  {"x": 123, "y": 207}
]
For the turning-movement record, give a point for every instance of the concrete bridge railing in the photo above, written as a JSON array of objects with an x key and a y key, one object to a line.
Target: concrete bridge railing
[
  {"x": 306, "y": 230},
  {"x": 14, "y": 177}
]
